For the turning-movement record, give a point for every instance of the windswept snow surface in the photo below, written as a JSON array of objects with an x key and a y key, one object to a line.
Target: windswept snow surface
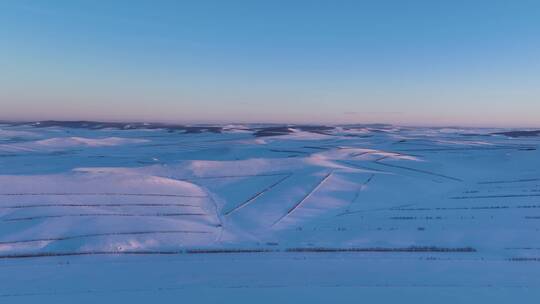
[{"x": 94, "y": 212}]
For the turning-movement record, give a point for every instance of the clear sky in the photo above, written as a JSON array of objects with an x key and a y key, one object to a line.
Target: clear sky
[{"x": 471, "y": 63}]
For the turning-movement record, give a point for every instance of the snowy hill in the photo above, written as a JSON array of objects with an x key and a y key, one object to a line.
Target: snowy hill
[{"x": 93, "y": 211}]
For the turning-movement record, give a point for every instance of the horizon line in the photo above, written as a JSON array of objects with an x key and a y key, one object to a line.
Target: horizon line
[{"x": 216, "y": 123}]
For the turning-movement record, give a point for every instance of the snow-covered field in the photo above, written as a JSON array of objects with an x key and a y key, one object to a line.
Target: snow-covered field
[{"x": 96, "y": 213}]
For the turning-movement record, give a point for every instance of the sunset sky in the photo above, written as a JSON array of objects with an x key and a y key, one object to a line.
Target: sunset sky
[{"x": 469, "y": 63}]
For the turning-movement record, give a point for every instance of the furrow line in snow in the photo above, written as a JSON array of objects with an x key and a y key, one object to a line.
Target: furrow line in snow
[
  {"x": 419, "y": 171},
  {"x": 510, "y": 181},
  {"x": 494, "y": 196},
  {"x": 257, "y": 195},
  {"x": 30, "y": 218},
  {"x": 100, "y": 194},
  {"x": 90, "y": 235},
  {"x": 307, "y": 196},
  {"x": 357, "y": 193},
  {"x": 233, "y": 176},
  {"x": 310, "y": 250},
  {"x": 97, "y": 205}
]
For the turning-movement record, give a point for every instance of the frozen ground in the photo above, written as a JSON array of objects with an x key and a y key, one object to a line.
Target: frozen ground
[{"x": 93, "y": 212}]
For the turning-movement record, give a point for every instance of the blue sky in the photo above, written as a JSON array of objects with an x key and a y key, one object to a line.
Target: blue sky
[{"x": 470, "y": 63}]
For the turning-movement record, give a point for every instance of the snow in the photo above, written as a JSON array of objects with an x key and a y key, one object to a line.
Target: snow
[
  {"x": 52, "y": 144},
  {"x": 16, "y": 133},
  {"x": 380, "y": 214}
]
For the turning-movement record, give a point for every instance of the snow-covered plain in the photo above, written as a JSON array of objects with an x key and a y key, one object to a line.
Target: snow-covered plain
[{"x": 96, "y": 213}]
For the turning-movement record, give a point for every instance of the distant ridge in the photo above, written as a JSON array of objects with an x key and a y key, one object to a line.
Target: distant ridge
[
  {"x": 259, "y": 130},
  {"x": 518, "y": 133},
  {"x": 97, "y": 125}
]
